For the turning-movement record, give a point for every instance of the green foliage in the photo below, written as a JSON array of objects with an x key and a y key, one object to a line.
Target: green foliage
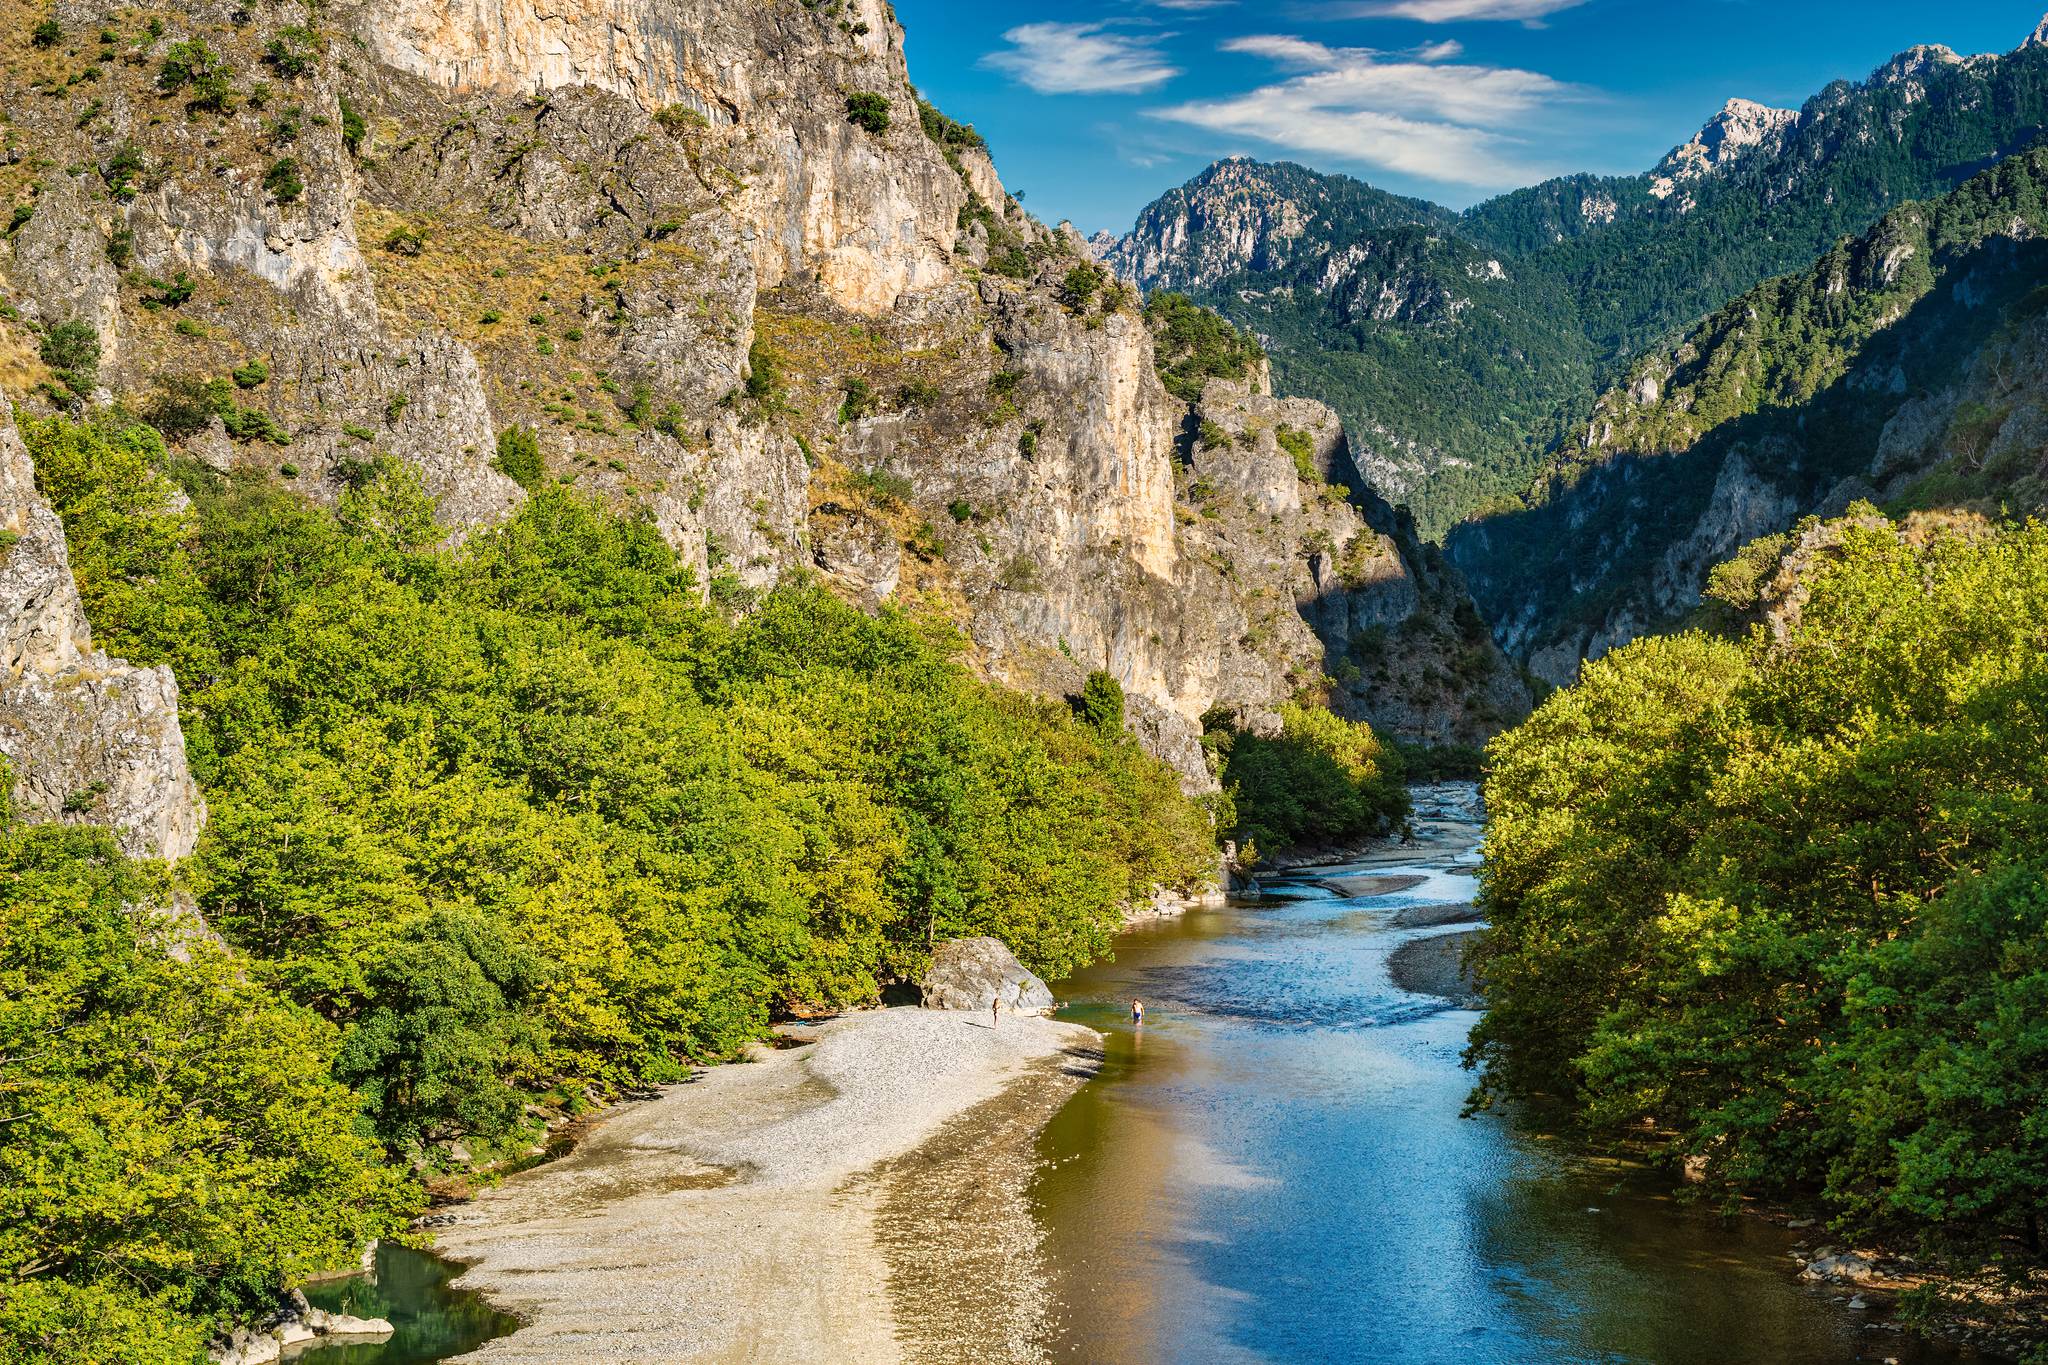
[
  {"x": 1782, "y": 905},
  {"x": 195, "y": 67},
  {"x": 1101, "y": 704},
  {"x": 519, "y": 457},
  {"x": 175, "y": 1147},
  {"x": 525, "y": 814},
  {"x": 868, "y": 111},
  {"x": 1080, "y": 286},
  {"x": 293, "y": 52},
  {"x": 72, "y": 351},
  {"x": 1194, "y": 345},
  {"x": 860, "y": 400},
  {"x": 250, "y": 373},
  {"x": 678, "y": 119},
  {"x": 764, "y": 384},
  {"x": 1301, "y": 448},
  {"x": 1321, "y": 780},
  {"x": 445, "y": 1019},
  {"x": 46, "y": 33},
  {"x": 352, "y": 129},
  {"x": 282, "y": 180},
  {"x": 918, "y": 392},
  {"x": 121, "y": 172},
  {"x": 884, "y": 486},
  {"x": 184, "y": 406},
  {"x": 1791, "y": 368},
  {"x": 952, "y": 137},
  {"x": 406, "y": 240}
]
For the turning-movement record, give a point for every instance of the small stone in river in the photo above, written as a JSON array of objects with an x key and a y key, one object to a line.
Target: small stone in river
[{"x": 1858, "y": 1302}]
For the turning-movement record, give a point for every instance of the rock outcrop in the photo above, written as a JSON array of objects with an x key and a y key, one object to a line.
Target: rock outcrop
[
  {"x": 289, "y": 1327},
  {"x": 726, "y": 265},
  {"x": 89, "y": 739},
  {"x": 976, "y": 973},
  {"x": 1743, "y": 130}
]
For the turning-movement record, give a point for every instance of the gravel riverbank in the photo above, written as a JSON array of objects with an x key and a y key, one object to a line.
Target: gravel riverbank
[
  {"x": 1436, "y": 966},
  {"x": 778, "y": 1210}
]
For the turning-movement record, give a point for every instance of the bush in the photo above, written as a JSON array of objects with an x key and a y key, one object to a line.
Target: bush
[
  {"x": 293, "y": 52},
  {"x": 406, "y": 240},
  {"x": 678, "y": 119},
  {"x": 194, "y": 66},
  {"x": 46, "y": 33},
  {"x": 859, "y": 402},
  {"x": 764, "y": 378},
  {"x": 122, "y": 170},
  {"x": 1193, "y": 345},
  {"x": 282, "y": 180},
  {"x": 519, "y": 457},
  {"x": 868, "y": 111},
  {"x": 1079, "y": 287},
  {"x": 72, "y": 351},
  {"x": 1301, "y": 448},
  {"x": 1321, "y": 781},
  {"x": 352, "y": 129},
  {"x": 249, "y": 374}
]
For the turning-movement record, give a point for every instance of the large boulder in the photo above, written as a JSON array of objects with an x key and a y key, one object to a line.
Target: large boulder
[{"x": 974, "y": 973}]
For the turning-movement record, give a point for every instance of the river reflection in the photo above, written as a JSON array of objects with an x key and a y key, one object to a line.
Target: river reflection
[{"x": 1277, "y": 1171}]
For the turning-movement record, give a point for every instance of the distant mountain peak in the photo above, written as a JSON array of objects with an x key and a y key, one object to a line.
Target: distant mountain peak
[
  {"x": 2039, "y": 38},
  {"x": 1915, "y": 62},
  {"x": 1742, "y": 128}
]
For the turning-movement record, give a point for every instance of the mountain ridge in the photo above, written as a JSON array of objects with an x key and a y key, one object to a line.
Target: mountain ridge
[{"x": 1605, "y": 266}]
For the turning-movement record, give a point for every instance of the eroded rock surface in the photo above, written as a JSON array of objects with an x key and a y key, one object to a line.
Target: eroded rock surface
[
  {"x": 89, "y": 739},
  {"x": 973, "y": 973}
]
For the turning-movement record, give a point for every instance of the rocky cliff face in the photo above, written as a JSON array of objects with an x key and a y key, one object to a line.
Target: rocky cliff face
[
  {"x": 720, "y": 259},
  {"x": 88, "y": 739},
  {"x": 1744, "y": 130}
]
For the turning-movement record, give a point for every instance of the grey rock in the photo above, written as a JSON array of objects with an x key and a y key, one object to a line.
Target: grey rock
[
  {"x": 973, "y": 973},
  {"x": 1846, "y": 1267},
  {"x": 90, "y": 739}
]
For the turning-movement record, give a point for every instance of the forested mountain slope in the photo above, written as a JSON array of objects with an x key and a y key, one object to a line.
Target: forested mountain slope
[
  {"x": 1461, "y": 350},
  {"x": 1903, "y": 365}
]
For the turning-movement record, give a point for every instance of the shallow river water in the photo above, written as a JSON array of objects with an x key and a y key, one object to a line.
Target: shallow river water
[{"x": 1275, "y": 1169}]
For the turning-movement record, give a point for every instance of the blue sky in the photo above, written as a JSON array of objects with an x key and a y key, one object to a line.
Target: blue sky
[{"x": 1093, "y": 109}]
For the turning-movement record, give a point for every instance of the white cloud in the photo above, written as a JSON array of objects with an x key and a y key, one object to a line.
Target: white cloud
[
  {"x": 1530, "y": 12},
  {"x": 1416, "y": 113},
  {"x": 1081, "y": 59},
  {"x": 1190, "y": 5}
]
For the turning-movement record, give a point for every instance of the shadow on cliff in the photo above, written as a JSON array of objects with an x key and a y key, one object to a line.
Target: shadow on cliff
[{"x": 1608, "y": 525}]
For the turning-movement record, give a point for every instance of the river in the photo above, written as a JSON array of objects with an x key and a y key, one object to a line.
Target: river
[{"x": 1275, "y": 1169}]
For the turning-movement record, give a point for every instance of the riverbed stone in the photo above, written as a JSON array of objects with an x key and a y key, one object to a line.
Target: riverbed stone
[
  {"x": 1847, "y": 1267},
  {"x": 974, "y": 973}
]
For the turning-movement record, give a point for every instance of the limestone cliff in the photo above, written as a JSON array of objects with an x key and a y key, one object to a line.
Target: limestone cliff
[
  {"x": 720, "y": 258},
  {"x": 89, "y": 739}
]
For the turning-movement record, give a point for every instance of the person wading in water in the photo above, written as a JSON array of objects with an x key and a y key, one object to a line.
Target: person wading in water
[{"x": 1137, "y": 1012}]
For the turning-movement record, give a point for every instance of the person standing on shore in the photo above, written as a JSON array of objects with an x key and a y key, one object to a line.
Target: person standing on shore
[
  {"x": 995, "y": 1010},
  {"x": 1137, "y": 1013}
]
